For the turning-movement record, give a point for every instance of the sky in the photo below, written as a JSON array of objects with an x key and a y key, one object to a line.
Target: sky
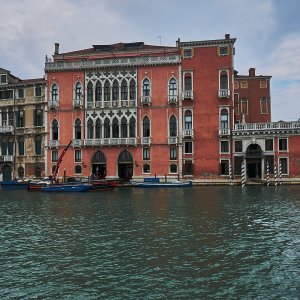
[{"x": 267, "y": 32}]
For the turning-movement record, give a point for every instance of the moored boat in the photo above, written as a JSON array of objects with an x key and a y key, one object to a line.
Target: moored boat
[
  {"x": 97, "y": 185},
  {"x": 37, "y": 186},
  {"x": 12, "y": 185},
  {"x": 156, "y": 183},
  {"x": 84, "y": 187}
]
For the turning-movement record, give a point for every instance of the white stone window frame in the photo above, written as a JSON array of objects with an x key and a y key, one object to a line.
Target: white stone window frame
[
  {"x": 287, "y": 144},
  {"x": 220, "y": 146},
  {"x": 287, "y": 166},
  {"x": 2, "y": 75},
  {"x": 51, "y": 91}
]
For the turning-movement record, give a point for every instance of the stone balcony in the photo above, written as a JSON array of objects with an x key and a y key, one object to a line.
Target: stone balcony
[
  {"x": 76, "y": 142},
  {"x": 189, "y": 94},
  {"x": 188, "y": 133},
  {"x": 6, "y": 129},
  {"x": 7, "y": 158},
  {"x": 224, "y": 131},
  {"x": 77, "y": 103},
  {"x": 172, "y": 99},
  {"x": 53, "y": 104},
  {"x": 146, "y": 100},
  {"x": 224, "y": 93},
  {"x": 173, "y": 140},
  {"x": 145, "y": 140},
  {"x": 110, "y": 142},
  {"x": 53, "y": 143},
  {"x": 266, "y": 128}
]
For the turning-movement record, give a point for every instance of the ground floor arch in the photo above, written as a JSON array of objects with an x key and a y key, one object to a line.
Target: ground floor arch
[
  {"x": 7, "y": 173},
  {"x": 98, "y": 165},
  {"x": 254, "y": 159},
  {"x": 125, "y": 165}
]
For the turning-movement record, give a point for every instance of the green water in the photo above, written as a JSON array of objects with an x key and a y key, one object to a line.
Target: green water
[{"x": 193, "y": 243}]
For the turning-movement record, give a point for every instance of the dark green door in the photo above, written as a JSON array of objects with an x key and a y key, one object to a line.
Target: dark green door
[{"x": 7, "y": 173}]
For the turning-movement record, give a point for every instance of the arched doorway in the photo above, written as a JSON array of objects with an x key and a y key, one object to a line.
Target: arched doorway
[
  {"x": 99, "y": 165},
  {"x": 254, "y": 159},
  {"x": 7, "y": 173},
  {"x": 20, "y": 172},
  {"x": 125, "y": 165}
]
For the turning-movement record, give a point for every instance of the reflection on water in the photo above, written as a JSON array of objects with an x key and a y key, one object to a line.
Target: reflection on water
[{"x": 197, "y": 243}]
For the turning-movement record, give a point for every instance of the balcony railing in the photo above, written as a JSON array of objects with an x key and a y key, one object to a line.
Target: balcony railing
[
  {"x": 172, "y": 99},
  {"x": 77, "y": 103},
  {"x": 8, "y": 158},
  {"x": 53, "y": 104},
  {"x": 53, "y": 143},
  {"x": 172, "y": 140},
  {"x": 132, "y": 103},
  {"x": 6, "y": 129},
  {"x": 77, "y": 143},
  {"x": 189, "y": 94},
  {"x": 112, "y": 62},
  {"x": 146, "y": 99},
  {"x": 188, "y": 133},
  {"x": 110, "y": 142},
  {"x": 146, "y": 140},
  {"x": 267, "y": 127},
  {"x": 90, "y": 104},
  {"x": 224, "y": 93},
  {"x": 224, "y": 131}
]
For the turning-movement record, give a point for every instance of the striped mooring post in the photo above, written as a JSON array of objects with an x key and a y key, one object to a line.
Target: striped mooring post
[
  {"x": 243, "y": 173},
  {"x": 230, "y": 172},
  {"x": 268, "y": 174},
  {"x": 275, "y": 174},
  {"x": 279, "y": 173}
]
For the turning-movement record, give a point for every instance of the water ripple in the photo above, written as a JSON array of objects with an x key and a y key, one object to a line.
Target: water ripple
[{"x": 199, "y": 243}]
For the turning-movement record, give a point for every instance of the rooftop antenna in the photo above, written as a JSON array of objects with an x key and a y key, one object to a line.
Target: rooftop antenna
[{"x": 159, "y": 37}]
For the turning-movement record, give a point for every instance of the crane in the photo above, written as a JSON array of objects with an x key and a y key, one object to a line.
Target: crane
[{"x": 59, "y": 161}]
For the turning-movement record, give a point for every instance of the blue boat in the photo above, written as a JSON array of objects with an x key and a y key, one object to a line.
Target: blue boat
[
  {"x": 13, "y": 185},
  {"x": 155, "y": 183},
  {"x": 67, "y": 188}
]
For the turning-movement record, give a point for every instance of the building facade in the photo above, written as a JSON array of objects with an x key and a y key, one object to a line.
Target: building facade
[
  {"x": 22, "y": 131},
  {"x": 136, "y": 110}
]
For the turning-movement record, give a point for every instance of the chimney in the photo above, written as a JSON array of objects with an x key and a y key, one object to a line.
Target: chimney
[
  {"x": 227, "y": 36},
  {"x": 56, "y": 51},
  {"x": 252, "y": 72}
]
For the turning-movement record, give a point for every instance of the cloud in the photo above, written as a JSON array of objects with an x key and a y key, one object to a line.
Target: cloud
[
  {"x": 284, "y": 61},
  {"x": 31, "y": 28},
  {"x": 285, "y": 100}
]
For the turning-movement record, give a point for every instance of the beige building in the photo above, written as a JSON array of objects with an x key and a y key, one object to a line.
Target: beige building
[{"x": 22, "y": 127}]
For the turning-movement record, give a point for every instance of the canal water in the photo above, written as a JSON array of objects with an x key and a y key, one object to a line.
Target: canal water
[{"x": 193, "y": 243}]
